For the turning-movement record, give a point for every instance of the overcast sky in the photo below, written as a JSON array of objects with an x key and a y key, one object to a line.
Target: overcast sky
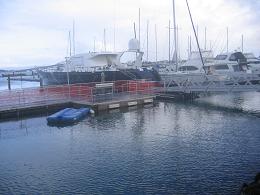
[{"x": 36, "y": 32}]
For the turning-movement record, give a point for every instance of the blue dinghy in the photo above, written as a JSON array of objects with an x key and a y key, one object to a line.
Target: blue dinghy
[{"x": 68, "y": 115}]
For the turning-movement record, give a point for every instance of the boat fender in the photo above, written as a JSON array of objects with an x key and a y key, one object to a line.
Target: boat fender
[{"x": 91, "y": 111}]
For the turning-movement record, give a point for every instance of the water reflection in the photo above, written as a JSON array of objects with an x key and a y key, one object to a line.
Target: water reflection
[{"x": 247, "y": 102}]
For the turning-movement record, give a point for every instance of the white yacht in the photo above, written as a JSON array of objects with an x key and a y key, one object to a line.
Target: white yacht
[
  {"x": 164, "y": 67},
  {"x": 194, "y": 65},
  {"x": 229, "y": 63},
  {"x": 99, "y": 67},
  {"x": 226, "y": 63},
  {"x": 253, "y": 62}
]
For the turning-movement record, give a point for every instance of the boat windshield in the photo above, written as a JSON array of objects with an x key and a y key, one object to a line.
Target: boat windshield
[
  {"x": 221, "y": 57},
  {"x": 221, "y": 67},
  {"x": 196, "y": 55},
  {"x": 128, "y": 58},
  {"x": 238, "y": 56},
  {"x": 188, "y": 68},
  {"x": 249, "y": 56}
]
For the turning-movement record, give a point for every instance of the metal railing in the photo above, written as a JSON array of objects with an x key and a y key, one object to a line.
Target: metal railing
[
  {"x": 235, "y": 82},
  {"x": 87, "y": 92}
]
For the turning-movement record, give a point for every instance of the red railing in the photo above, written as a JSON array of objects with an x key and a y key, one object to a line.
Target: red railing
[{"x": 84, "y": 92}]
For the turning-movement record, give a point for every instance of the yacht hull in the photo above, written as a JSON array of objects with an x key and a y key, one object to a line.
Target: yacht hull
[{"x": 59, "y": 78}]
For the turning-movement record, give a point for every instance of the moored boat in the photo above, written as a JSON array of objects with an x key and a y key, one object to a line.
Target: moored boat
[
  {"x": 68, "y": 115},
  {"x": 253, "y": 62},
  {"x": 99, "y": 67}
]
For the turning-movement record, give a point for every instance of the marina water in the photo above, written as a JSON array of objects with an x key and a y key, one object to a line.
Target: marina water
[
  {"x": 17, "y": 84},
  {"x": 208, "y": 146}
]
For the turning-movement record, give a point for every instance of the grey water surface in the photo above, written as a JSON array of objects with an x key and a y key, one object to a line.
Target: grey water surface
[
  {"x": 17, "y": 84},
  {"x": 204, "y": 147}
]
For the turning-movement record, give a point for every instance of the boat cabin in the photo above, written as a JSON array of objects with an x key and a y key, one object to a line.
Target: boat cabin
[
  {"x": 229, "y": 62},
  {"x": 253, "y": 62}
]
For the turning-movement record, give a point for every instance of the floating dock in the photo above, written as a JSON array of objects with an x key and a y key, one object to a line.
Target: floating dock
[
  {"x": 98, "y": 96},
  {"x": 119, "y": 94}
]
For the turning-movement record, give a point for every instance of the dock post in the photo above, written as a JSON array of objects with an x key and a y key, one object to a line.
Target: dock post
[
  {"x": 41, "y": 83},
  {"x": 9, "y": 82}
]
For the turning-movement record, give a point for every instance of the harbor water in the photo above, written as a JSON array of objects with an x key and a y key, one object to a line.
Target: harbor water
[
  {"x": 17, "y": 84},
  {"x": 209, "y": 146}
]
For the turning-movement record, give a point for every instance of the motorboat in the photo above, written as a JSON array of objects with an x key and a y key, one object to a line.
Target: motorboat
[
  {"x": 225, "y": 63},
  {"x": 228, "y": 63},
  {"x": 194, "y": 64}
]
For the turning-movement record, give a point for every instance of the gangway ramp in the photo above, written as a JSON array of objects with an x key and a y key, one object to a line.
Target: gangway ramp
[{"x": 198, "y": 83}]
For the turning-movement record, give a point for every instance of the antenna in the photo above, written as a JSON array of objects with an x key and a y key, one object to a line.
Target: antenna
[
  {"x": 134, "y": 30},
  {"x": 195, "y": 36}
]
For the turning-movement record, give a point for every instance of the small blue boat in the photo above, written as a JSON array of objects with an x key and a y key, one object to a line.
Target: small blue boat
[{"x": 68, "y": 115}]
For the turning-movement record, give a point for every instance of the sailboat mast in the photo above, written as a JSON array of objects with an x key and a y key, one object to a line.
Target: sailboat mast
[
  {"x": 134, "y": 30},
  {"x": 205, "y": 46},
  {"x": 195, "y": 36},
  {"x": 155, "y": 28},
  {"x": 188, "y": 51},
  {"x": 227, "y": 39},
  {"x": 175, "y": 34},
  {"x": 139, "y": 28},
  {"x": 178, "y": 47},
  {"x": 169, "y": 41},
  {"x": 242, "y": 43},
  {"x": 94, "y": 46},
  {"x": 70, "y": 43},
  {"x": 198, "y": 32},
  {"x": 190, "y": 45},
  {"x": 74, "y": 50},
  {"x": 105, "y": 44},
  {"x": 147, "y": 42},
  {"x": 114, "y": 33}
]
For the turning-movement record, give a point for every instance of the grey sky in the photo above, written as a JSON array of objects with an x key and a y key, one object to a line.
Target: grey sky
[{"x": 36, "y": 32}]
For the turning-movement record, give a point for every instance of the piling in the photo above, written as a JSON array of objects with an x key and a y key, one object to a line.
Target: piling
[{"x": 9, "y": 82}]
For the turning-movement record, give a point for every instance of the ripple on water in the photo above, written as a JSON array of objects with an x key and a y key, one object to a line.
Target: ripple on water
[{"x": 172, "y": 148}]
